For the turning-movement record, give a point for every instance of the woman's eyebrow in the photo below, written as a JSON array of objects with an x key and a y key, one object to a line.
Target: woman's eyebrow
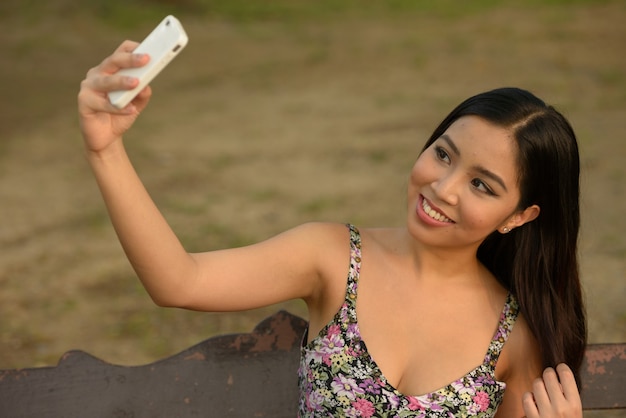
[
  {"x": 451, "y": 144},
  {"x": 482, "y": 170}
]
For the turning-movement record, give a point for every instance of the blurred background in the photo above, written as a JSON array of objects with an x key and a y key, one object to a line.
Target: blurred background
[{"x": 277, "y": 112}]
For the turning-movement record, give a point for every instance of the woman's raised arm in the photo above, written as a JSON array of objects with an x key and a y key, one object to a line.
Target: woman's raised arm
[{"x": 284, "y": 267}]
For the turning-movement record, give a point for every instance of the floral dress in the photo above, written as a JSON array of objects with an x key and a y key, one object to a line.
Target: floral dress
[{"x": 338, "y": 378}]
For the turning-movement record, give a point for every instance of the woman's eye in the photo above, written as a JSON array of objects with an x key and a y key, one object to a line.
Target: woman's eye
[
  {"x": 481, "y": 186},
  {"x": 442, "y": 154}
]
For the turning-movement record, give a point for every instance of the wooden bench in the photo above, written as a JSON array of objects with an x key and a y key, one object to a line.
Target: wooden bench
[{"x": 239, "y": 375}]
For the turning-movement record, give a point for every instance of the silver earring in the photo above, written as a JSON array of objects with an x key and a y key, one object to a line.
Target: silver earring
[{"x": 505, "y": 230}]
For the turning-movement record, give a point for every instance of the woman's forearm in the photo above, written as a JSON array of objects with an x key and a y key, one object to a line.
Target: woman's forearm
[{"x": 151, "y": 246}]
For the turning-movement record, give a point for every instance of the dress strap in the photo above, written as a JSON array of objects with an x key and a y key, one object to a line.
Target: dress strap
[
  {"x": 507, "y": 320},
  {"x": 355, "y": 266}
]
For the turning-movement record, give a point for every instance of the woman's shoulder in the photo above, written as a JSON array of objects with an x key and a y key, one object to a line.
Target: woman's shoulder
[
  {"x": 339, "y": 233},
  {"x": 322, "y": 232},
  {"x": 324, "y": 241}
]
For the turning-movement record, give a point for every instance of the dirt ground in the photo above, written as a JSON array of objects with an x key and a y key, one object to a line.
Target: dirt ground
[{"x": 260, "y": 126}]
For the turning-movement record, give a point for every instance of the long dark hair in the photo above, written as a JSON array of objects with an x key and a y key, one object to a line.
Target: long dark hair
[{"x": 537, "y": 262}]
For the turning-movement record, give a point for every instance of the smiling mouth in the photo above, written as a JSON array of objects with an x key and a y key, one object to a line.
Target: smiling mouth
[{"x": 433, "y": 213}]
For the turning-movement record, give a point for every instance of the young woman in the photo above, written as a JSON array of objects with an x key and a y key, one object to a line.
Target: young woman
[{"x": 474, "y": 308}]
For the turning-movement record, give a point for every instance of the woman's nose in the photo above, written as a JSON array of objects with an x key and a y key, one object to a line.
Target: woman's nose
[{"x": 446, "y": 188}]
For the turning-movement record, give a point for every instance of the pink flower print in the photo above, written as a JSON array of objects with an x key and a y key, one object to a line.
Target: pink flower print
[
  {"x": 331, "y": 344},
  {"x": 326, "y": 360},
  {"x": 343, "y": 386},
  {"x": 315, "y": 400},
  {"x": 482, "y": 400},
  {"x": 333, "y": 331},
  {"x": 365, "y": 407},
  {"x": 314, "y": 356},
  {"x": 414, "y": 404},
  {"x": 430, "y": 401}
]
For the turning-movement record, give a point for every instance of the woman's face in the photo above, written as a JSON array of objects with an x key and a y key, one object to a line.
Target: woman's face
[{"x": 465, "y": 185}]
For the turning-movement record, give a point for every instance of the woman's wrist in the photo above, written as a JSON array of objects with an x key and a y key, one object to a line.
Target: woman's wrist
[{"x": 111, "y": 152}]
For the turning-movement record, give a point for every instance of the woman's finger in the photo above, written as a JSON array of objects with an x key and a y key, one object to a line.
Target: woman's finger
[
  {"x": 568, "y": 385},
  {"x": 106, "y": 83},
  {"x": 540, "y": 394},
  {"x": 529, "y": 405},
  {"x": 552, "y": 385},
  {"x": 89, "y": 104},
  {"x": 122, "y": 57},
  {"x": 141, "y": 100},
  {"x": 127, "y": 46},
  {"x": 92, "y": 100}
]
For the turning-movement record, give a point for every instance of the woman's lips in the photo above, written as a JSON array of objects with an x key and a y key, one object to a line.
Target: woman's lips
[{"x": 431, "y": 213}]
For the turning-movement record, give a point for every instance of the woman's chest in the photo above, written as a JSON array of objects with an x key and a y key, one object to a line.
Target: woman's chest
[{"x": 422, "y": 342}]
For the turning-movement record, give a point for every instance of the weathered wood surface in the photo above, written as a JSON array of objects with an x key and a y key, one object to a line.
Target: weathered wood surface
[
  {"x": 604, "y": 377},
  {"x": 244, "y": 375},
  {"x": 239, "y": 375}
]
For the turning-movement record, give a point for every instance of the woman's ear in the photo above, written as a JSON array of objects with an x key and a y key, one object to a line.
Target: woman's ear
[
  {"x": 527, "y": 215},
  {"x": 520, "y": 218}
]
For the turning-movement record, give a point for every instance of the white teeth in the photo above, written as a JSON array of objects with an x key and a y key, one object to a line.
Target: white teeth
[{"x": 434, "y": 214}]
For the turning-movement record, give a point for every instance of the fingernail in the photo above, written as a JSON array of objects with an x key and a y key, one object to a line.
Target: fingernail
[
  {"x": 140, "y": 57},
  {"x": 130, "y": 81}
]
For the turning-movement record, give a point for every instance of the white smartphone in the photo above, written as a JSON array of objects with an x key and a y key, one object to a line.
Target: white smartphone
[{"x": 163, "y": 44}]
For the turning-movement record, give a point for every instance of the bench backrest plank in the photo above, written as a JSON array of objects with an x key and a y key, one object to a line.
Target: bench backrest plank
[
  {"x": 239, "y": 375},
  {"x": 604, "y": 377}
]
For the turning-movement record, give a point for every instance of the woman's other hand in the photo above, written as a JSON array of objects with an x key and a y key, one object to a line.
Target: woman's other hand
[{"x": 554, "y": 395}]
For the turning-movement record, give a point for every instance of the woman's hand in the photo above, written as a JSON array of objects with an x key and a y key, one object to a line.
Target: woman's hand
[
  {"x": 554, "y": 396},
  {"x": 101, "y": 123}
]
